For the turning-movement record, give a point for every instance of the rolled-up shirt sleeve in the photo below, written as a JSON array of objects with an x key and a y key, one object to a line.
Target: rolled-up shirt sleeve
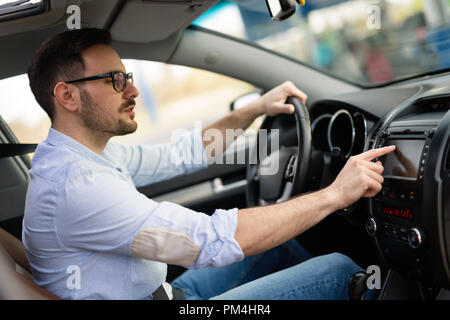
[
  {"x": 102, "y": 211},
  {"x": 192, "y": 239}
]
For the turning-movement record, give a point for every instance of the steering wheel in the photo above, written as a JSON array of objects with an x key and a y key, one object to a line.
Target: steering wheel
[{"x": 266, "y": 185}]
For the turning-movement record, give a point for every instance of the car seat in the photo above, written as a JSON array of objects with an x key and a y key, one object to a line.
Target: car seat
[{"x": 15, "y": 277}]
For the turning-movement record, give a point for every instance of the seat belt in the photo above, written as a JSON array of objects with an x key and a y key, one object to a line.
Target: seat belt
[
  {"x": 161, "y": 293},
  {"x": 16, "y": 149}
]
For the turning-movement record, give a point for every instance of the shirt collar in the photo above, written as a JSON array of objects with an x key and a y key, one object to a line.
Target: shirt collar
[{"x": 56, "y": 138}]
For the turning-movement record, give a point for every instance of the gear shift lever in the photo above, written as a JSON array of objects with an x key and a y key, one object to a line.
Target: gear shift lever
[{"x": 357, "y": 285}]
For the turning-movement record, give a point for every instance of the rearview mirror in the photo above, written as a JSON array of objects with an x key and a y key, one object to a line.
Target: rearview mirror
[{"x": 280, "y": 9}]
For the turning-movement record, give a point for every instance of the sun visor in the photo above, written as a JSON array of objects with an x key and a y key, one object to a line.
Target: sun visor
[{"x": 151, "y": 20}]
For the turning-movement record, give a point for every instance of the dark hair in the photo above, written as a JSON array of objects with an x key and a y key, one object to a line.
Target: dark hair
[{"x": 59, "y": 59}]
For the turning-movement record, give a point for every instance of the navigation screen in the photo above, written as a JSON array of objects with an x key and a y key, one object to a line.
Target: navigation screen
[{"x": 403, "y": 163}]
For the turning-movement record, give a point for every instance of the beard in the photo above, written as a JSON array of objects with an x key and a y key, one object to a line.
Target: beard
[{"x": 97, "y": 121}]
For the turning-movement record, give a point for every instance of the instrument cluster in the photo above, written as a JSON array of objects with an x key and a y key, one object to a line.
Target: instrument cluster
[{"x": 343, "y": 132}]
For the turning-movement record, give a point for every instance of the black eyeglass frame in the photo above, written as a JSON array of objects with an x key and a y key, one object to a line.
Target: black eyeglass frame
[{"x": 126, "y": 77}]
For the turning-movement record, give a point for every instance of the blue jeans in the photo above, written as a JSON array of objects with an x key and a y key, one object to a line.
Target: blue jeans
[{"x": 285, "y": 272}]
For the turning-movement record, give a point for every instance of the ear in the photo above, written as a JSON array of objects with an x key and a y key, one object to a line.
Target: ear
[{"x": 68, "y": 96}]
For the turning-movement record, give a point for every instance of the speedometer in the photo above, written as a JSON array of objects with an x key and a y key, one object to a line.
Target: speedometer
[{"x": 341, "y": 132}]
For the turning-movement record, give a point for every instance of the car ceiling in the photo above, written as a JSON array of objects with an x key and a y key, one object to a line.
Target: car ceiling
[
  {"x": 131, "y": 22},
  {"x": 128, "y": 20}
]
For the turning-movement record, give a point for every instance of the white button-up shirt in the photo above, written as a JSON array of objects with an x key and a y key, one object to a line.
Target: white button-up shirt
[{"x": 90, "y": 234}]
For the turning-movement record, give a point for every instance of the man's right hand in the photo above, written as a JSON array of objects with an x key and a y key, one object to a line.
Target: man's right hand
[
  {"x": 360, "y": 177},
  {"x": 262, "y": 228}
]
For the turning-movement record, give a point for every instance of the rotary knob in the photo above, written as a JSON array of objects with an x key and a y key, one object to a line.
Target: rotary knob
[
  {"x": 415, "y": 238},
  {"x": 371, "y": 227}
]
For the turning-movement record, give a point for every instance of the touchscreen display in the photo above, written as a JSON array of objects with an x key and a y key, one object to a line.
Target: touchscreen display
[{"x": 403, "y": 163}]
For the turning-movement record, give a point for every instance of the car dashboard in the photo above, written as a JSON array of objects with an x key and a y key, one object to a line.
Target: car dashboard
[{"x": 409, "y": 219}]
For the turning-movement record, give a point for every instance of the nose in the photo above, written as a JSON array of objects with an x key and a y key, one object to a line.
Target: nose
[{"x": 130, "y": 91}]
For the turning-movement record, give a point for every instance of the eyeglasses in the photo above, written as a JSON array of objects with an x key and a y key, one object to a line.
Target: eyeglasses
[{"x": 118, "y": 79}]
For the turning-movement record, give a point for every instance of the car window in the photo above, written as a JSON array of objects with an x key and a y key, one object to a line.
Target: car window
[
  {"x": 21, "y": 111},
  {"x": 176, "y": 97},
  {"x": 170, "y": 97}
]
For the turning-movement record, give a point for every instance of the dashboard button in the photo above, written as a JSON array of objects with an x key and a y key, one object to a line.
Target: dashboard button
[
  {"x": 390, "y": 230},
  {"x": 403, "y": 234},
  {"x": 415, "y": 238},
  {"x": 371, "y": 227},
  {"x": 394, "y": 232},
  {"x": 391, "y": 194}
]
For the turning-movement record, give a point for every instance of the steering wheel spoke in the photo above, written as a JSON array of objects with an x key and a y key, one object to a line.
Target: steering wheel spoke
[{"x": 281, "y": 174}]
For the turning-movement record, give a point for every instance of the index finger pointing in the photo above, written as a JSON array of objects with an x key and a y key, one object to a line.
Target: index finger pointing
[{"x": 375, "y": 153}]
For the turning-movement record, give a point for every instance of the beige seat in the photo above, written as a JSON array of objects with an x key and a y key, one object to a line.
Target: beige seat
[{"x": 15, "y": 277}]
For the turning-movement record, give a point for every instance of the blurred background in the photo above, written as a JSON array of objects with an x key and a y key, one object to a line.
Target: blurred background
[{"x": 368, "y": 43}]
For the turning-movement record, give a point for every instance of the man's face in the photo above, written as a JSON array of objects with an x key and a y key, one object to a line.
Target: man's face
[{"x": 103, "y": 109}]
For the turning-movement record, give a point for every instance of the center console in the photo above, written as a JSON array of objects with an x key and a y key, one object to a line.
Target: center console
[{"x": 409, "y": 219}]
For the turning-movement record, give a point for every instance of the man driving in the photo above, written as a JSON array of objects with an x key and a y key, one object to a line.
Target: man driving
[{"x": 90, "y": 234}]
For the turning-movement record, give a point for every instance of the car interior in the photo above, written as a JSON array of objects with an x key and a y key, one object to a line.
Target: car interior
[{"x": 405, "y": 229}]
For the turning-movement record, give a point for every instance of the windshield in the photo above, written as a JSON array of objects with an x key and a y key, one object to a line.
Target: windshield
[{"x": 366, "y": 42}]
